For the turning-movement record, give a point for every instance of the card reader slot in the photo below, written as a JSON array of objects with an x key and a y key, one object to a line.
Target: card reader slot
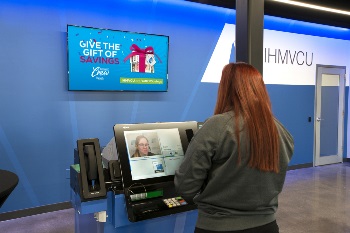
[
  {"x": 148, "y": 207},
  {"x": 157, "y": 206}
]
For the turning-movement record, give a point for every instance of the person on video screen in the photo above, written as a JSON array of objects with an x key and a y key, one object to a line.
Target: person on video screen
[{"x": 142, "y": 147}]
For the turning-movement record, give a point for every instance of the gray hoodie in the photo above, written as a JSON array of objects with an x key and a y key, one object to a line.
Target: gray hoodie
[{"x": 229, "y": 196}]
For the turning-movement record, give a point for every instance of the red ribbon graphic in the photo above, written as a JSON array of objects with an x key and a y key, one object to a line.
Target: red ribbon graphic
[{"x": 135, "y": 50}]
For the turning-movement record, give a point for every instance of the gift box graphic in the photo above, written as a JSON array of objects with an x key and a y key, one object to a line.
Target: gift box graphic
[{"x": 142, "y": 60}]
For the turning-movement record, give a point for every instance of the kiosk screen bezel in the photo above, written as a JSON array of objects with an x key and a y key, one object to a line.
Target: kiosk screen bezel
[{"x": 186, "y": 131}]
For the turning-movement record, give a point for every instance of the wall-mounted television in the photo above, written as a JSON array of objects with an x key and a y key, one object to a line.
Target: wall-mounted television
[{"x": 112, "y": 60}]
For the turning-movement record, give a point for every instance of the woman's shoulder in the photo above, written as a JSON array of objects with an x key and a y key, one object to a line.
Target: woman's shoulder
[
  {"x": 283, "y": 130},
  {"x": 279, "y": 125},
  {"x": 218, "y": 122},
  {"x": 222, "y": 118}
]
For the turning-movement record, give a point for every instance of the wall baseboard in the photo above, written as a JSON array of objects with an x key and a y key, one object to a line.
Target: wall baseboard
[
  {"x": 298, "y": 166},
  {"x": 33, "y": 211},
  {"x": 306, "y": 165}
]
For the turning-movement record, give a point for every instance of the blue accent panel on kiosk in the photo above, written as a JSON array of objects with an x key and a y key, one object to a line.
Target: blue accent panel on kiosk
[
  {"x": 182, "y": 222},
  {"x": 87, "y": 207},
  {"x": 120, "y": 216}
]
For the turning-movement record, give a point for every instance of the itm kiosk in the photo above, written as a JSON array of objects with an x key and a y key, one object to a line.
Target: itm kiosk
[{"x": 148, "y": 155}]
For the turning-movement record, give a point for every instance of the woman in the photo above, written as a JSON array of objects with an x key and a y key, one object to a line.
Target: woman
[
  {"x": 142, "y": 147},
  {"x": 235, "y": 165}
]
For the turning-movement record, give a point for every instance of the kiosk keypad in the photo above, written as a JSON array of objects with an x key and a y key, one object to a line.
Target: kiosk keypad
[{"x": 174, "y": 202}]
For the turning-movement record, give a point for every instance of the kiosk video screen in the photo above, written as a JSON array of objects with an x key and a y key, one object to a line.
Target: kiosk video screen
[
  {"x": 112, "y": 60},
  {"x": 150, "y": 153}
]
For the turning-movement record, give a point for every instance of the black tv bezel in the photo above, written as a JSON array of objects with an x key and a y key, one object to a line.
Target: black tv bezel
[
  {"x": 121, "y": 89},
  {"x": 123, "y": 158}
]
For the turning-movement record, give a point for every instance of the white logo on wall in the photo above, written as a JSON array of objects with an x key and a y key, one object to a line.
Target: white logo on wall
[
  {"x": 99, "y": 73},
  {"x": 289, "y": 58},
  {"x": 221, "y": 55}
]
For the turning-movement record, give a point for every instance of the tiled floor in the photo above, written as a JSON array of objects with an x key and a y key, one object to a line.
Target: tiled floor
[{"x": 314, "y": 200}]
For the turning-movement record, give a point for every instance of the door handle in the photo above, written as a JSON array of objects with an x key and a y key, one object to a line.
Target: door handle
[{"x": 318, "y": 119}]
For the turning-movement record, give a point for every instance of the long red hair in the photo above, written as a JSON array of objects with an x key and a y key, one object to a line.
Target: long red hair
[{"x": 243, "y": 91}]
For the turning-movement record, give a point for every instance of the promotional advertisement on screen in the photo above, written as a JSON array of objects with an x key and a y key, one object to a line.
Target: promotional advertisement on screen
[{"x": 111, "y": 60}]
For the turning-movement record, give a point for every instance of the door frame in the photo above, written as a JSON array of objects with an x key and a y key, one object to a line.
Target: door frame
[{"x": 338, "y": 158}]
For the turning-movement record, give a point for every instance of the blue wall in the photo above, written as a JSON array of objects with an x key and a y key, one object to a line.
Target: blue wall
[
  {"x": 293, "y": 105},
  {"x": 40, "y": 120}
]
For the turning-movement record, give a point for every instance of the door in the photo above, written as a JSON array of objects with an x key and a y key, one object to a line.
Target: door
[{"x": 329, "y": 114}]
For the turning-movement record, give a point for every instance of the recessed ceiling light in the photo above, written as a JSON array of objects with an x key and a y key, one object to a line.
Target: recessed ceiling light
[{"x": 295, "y": 3}]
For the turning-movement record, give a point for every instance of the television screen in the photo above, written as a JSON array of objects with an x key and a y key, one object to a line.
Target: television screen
[
  {"x": 151, "y": 152},
  {"x": 111, "y": 60}
]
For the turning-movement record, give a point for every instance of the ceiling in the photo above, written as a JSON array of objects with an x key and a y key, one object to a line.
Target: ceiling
[{"x": 283, "y": 10}]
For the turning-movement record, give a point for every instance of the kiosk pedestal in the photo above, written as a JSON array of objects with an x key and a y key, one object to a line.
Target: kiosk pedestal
[{"x": 89, "y": 217}]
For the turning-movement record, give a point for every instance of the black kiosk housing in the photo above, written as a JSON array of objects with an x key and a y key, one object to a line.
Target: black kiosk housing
[{"x": 148, "y": 181}]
